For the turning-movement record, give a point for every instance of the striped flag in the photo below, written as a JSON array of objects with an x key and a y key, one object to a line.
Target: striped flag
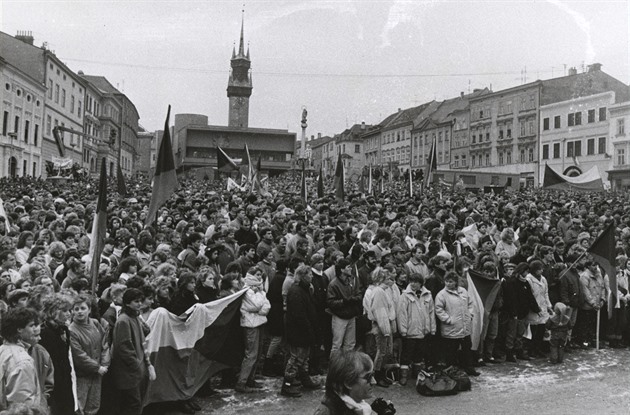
[
  {"x": 483, "y": 292},
  {"x": 431, "y": 166},
  {"x": 99, "y": 226},
  {"x": 339, "y": 181},
  {"x": 603, "y": 252},
  {"x": 188, "y": 349},
  {"x": 165, "y": 178}
]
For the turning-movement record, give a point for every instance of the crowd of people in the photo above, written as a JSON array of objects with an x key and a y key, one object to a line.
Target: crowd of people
[{"x": 370, "y": 290}]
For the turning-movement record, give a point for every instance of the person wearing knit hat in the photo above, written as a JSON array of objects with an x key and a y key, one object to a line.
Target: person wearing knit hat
[{"x": 254, "y": 309}]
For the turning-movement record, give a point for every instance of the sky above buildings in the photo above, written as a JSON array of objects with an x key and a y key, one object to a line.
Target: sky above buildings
[{"x": 346, "y": 61}]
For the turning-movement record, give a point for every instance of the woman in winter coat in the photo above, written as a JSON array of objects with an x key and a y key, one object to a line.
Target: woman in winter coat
[
  {"x": 55, "y": 338},
  {"x": 382, "y": 311},
  {"x": 254, "y": 310},
  {"x": 184, "y": 296},
  {"x": 416, "y": 321},
  {"x": 454, "y": 308},
  {"x": 537, "y": 321}
]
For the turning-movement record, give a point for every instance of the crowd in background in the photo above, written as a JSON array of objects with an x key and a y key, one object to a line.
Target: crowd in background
[{"x": 385, "y": 274}]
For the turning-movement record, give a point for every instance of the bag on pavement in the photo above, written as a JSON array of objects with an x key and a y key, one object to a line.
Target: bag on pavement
[{"x": 435, "y": 384}]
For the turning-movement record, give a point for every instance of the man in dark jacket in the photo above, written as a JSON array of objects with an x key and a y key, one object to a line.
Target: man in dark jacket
[
  {"x": 518, "y": 302},
  {"x": 301, "y": 332},
  {"x": 570, "y": 291},
  {"x": 344, "y": 301}
]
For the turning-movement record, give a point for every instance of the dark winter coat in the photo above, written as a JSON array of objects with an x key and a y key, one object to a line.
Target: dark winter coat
[
  {"x": 275, "y": 318},
  {"x": 182, "y": 301},
  {"x": 206, "y": 294},
  {"x": 518, "y": 299},
  {"x": 301, "y": 319},
  {"x": 435, "y": 282},
  {"x": 570, "y": 288},
  {"x": 344, "y": 299},
  {"x": 56, "y": 340},
  {"x": 128, "y": 363}
]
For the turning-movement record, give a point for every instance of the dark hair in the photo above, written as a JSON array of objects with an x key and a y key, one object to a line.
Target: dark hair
[
  {"x": 415, "y": 277},
  {"x": 21, "y": 243},
  {"x": 15, "y": 319}
]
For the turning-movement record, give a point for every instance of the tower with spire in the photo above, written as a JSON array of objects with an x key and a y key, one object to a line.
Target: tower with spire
[{"x": 239, "y": 84}]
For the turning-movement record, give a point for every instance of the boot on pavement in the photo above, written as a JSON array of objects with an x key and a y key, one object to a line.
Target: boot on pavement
[
  {"x": 308, "y": 382},
  {"x": 380, "y": 376},
  {"x": 290, "y": 389},
  {"x": 404, "y": 374},
  {"x": 510, "y": 356}
]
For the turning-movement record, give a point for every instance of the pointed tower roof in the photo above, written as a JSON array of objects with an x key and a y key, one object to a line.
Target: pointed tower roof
[{"x": 241, "y": 46}]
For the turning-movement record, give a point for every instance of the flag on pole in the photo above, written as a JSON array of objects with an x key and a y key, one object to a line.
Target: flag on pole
[
  {"x": 224, "y": 162},
  {"x": 603, "y": 252},
  {"x": 410, "y": 183},
  {"x": 483, "y": 292},
  {"x": 231, "y": 185},
  {"x": 246, "y": 166},
  {"x": 121, "y": 187},
  {"x": 99, "y": 226},
  {"x": 432, "y": 165},
  {"x": 339, "y": 181},
  {"x": 320, "y": 184},
  {"x": 369, "y": 189},
  {"x": 303, "y": 193},
  {"x": 165, "y": 178}
]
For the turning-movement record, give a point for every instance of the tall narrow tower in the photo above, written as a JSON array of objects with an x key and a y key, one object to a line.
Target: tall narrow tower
[{"x": 239, "y": 84}]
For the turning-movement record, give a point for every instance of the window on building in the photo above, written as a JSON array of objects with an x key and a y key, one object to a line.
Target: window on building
[
  {"x": 16, "y": 125},
  {"x": 36, "y": 135},
  {"x": 48, "y": 125},
  {"x": 63, "y": 98},
  {"x": 71, "y": 103},
  {"x": 621, "y": 156},
  {"x": 501, "y": 158},
  {"x": 57, "y": 93},
  {"x": 509, "y": 131},
  {"x": 570, "y": 149},
  {"x": 530, "y": 152},
  {"x": 578, "y": 118},
  {"x": 545, "y": 152},
  {"x": 24, "y": 167},
  {"x": 602, "y": 114},
  {"x": 522, "y": 128},
  {"x": 463, "y": 161},
  {"x": 530, "y": 125},
  {"x": 5, "y": 123},
  {"x": 590, "y": 146},
  {"x": 487, "y": 136},
  {"x": 508, "y": 157},
  {"x": 357, "y": 148},
  {"x": 27, "y": 125},
  {"x": 556, "y": 121},
  {"x": 578, "y": 148},
  {"x": 546, "y": 124},
  {"x": 522, "y": 155},
  {"x": 532, "y": 101},
  {"x": 501, "y": 134},
  {"x": 556, "y": 150},
  {"x": 601, "y": 145},
  {"x": 591, "y": 116},
  {"x": 79, "y": 109},
  {"x": 571, "y": 120},
  {"x": 621, "y": 127},
  {"x": 344, "y": 148},
  {"x": 487, "y": 159},
  {"x": 50, "y": 89},
  {"x": 34, "y": 169},
  {"x": 472, "y": 162},
  {"x": 474, "y": 138}
]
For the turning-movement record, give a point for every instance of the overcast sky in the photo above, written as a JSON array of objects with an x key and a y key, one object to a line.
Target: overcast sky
[{"x": 346, "y": 61}]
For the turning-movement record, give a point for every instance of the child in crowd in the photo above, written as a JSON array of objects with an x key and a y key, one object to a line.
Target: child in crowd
[{"x": 558, "y": 325}]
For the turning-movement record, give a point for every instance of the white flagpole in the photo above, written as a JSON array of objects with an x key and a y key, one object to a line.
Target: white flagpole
[{"x": 597, "y": 332}]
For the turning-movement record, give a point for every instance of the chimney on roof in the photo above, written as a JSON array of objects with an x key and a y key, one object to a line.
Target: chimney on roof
[
  {"x": 319, "y": 135},
  {"x": 572, "y": 71},
  {"x": 399, "y": 109},
  {"x": 595, "y": 67},
  {"x": 363, "y": 125},
  {"x": 312, "y": 137},
  {"x": 25, "y": 36},
  {"x": 461, "y": 94}
]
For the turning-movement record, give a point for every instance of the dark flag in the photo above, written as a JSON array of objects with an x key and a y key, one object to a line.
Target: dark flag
[
  {"x": 121, "y": 187},
  {"x": 165, "y": 178},
  {"x": 303, "y": 190},
  {"x": 483, "y": 292},
  {"x": 603, "y": 252},
  {"x": 320, "y": 184},
  {"x": 224, "y": 162},
  {"x": 99, "y": 226},
  {"x": 339, "y": 181},
  {"x": 432, "y": 166}
]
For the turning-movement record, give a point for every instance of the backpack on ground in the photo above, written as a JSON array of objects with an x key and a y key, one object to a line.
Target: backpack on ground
[
  {"x": 459, "y": 376},
  {"x": 435, "y": 384}
]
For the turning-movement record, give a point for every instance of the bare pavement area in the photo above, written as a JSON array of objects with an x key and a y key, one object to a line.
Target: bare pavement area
[{"x": 589, "y": 382}]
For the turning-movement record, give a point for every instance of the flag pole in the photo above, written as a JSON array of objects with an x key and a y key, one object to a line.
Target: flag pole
[
  {"x": 572, "y": 265},
  {"x": 597, "y": 331}
]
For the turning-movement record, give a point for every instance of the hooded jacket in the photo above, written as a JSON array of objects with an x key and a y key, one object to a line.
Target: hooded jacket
[
  {"x": 255, "y": 305},
  {"x": 454, "y": 308},
  {"x": 416, "y": 314}
]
